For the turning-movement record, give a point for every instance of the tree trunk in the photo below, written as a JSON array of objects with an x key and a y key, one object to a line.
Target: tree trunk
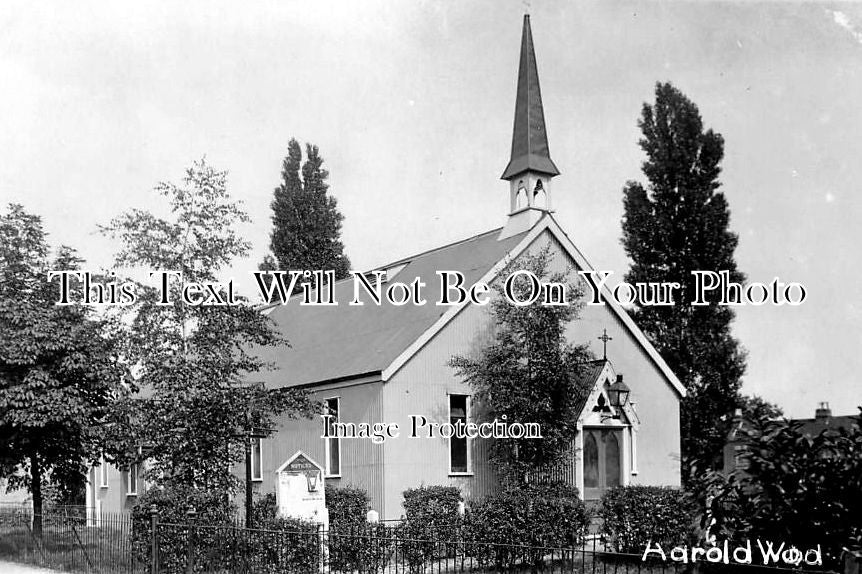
[{"x": 36, "y": 491}]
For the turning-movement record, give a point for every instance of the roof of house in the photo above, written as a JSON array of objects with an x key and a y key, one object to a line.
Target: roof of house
[
  {"x": 334, "y": 343},
  {"x": 815, "y": 426}
]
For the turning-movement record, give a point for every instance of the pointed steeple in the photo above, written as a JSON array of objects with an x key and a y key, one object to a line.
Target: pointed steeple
[
  {"x": 530, "y": 169},
  {"x": 530, "y": 139}
]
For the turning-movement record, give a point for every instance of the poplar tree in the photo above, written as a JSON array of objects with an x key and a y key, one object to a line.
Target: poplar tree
[
  {"x": 676, "y": 223},
  {"x": 306, "y": 230}
]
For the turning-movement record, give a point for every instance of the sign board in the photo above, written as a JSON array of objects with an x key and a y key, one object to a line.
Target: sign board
[{"x": 300, "y": 492}]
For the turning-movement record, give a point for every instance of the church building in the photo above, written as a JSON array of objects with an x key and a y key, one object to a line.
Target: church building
[
  {"x": 370, "y": 363},
  {"x": 373, "y": 363}
]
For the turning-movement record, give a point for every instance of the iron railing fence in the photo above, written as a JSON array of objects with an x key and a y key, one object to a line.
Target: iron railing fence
[
  {"x": 69, "y": 541},
  {"x": 379, "y": 549},
  {"x": 115, "y": 543}
]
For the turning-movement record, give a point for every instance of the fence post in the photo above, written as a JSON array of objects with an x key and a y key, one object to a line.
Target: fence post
[
  {"x": 154, "y": 543},
  {"x": 190, "y": 562}
]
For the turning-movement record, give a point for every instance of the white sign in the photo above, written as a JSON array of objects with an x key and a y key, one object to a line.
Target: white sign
[{"x": 300, "y": 492}]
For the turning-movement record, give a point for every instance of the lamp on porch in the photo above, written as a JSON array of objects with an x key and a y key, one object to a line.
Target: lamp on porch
[{"x": 618, "y": 394}]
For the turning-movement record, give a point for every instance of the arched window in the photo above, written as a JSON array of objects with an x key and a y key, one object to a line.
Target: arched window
[
  {"x": 540, "y": 197},
  {"x": 612, "y": 460},
  {"x": 521, "y": 197},
  {"x": 591, "y": 461}
]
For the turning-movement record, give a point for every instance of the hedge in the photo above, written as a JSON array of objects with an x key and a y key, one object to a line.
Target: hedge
[
  {"x": 354, "y": 544},
  {"x": 635, "y": 515},
  {"x": 537, "y": 515}
]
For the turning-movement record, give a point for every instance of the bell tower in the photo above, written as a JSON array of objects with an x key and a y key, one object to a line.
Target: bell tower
[{"x": 530, "y": 168}]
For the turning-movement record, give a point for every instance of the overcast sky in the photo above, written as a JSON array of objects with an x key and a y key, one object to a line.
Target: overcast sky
[{"x": 411, "y": 104}]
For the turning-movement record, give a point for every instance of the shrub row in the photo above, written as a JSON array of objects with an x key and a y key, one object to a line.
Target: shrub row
[{"x": 514, "y": 521}]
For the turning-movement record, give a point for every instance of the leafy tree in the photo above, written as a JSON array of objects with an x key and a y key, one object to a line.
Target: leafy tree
[
  {"x": 193, "y": 362},
  {"x": 797, "y": 488},
  {"x": 59, "y": 366},
  {"x": 755, "y": 407},
  {"x": 306, "y": 221},
  {"x": 676, "y": 224},
  {"x": 529, "y": 372}
]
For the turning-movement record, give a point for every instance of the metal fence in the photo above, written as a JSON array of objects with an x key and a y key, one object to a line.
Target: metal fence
[
  {"x": 381, "y": 549},
  {"x": 114, "y": 543},
  {"x": 69, "y": 541}
]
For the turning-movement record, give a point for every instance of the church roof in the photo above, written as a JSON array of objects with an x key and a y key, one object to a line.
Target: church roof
[
  {"x": 529, "y": 137},
  {"x": 330, "y": 343}
]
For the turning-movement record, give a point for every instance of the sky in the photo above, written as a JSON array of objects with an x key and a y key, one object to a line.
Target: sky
[{"x": 411, "y": 104}]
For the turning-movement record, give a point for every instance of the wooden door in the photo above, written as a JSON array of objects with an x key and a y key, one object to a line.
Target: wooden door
[{"x": 603, "y": 461}]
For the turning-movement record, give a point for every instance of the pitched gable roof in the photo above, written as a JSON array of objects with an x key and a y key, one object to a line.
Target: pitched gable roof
[
  {"x": 344, "y": 342},
  {"x": 336, "y": 343}
]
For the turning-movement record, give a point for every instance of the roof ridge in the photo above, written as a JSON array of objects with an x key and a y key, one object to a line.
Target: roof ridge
[{"x": 441, "y": 248}]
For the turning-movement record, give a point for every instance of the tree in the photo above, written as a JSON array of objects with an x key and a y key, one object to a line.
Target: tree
[
  {"x": 529, "y": 372},
  {"x": 60, "y": 368},
  {"x": 798, "y": 488},
  {"x": 306, "y": 221},
  {"x": 194, "y": 363},
  {"x": 677, "y": 224}
]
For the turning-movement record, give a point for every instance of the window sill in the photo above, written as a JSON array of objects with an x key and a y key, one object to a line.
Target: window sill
[
  {"x": 461, "y": 474},
  {"x": 131, "y": 494},
  {"x": 105, "y": 486},
  {"x": 331, "y": 476},
  {"x": 257, "y": 479}
]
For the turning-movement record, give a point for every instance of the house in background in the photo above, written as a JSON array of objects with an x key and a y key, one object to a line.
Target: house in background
[
  {"x": 373, "y": 363},
  {"x": 733, "y": 456}
]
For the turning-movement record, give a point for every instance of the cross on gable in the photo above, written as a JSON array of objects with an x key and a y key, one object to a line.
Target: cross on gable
[{"x": 604, "y": 339}]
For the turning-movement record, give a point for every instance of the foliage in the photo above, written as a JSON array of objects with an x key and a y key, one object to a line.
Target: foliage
[
  {"x": 194, "y": 363},
  {"x": 529, "y": 372},
  {"x": 756, "y": 408},
  {"x": 518, "y": 518},
  {"x": 677, "y": 224},
  {"x": 60, "y": 368},
  {"x": 354, "y": 544},
  {"x": 306, "y": 221},
  {"x": 798, "y": 488},
  {"x": 172, "y": 505},
  {"x": 431, "y": 517},
  {"x": 634, "y": 515}
]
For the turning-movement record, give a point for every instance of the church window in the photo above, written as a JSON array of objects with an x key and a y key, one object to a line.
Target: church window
[
  {"x": 540, "y": 197},
  {"x": 521, "y": 197},
  {"x": 103, "y": 473},
  {"x": 459, "y": 462},
  {"x": 132, "y": 480},
  {"x": 612, "y": 460},
  {"x": 591, "y": 461},
  {"x": 257, "y": 459},
  {"x": 333, "y": 444}
]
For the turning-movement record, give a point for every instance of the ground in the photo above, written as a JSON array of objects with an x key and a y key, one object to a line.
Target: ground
[{"x": 13, "y": 568}]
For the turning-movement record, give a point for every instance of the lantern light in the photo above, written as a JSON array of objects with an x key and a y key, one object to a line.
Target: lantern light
[{"x": 618, "y": 393}]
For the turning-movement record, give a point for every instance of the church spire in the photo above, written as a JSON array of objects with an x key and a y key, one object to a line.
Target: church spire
[
  {"x": 529, "y": 140},
  {"x": 530, "y": 168}
]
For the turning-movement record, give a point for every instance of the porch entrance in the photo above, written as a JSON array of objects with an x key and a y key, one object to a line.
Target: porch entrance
[{"x": 602, "y": 460}]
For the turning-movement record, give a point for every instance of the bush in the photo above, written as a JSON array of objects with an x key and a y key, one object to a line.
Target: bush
[
  {"x": 354, "y": 544},
  {"x": 171, "y": 505},
  {"x": 277, "y": 544},
  {"x": 519, "y": 518},
  {"x": 431, "y": 519},
  {"x": 798, "y": 488},
  {"x": 634, "y": 515}
]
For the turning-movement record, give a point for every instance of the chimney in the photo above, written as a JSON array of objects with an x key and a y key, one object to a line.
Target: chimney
[{"x": 823, "y": 412}]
